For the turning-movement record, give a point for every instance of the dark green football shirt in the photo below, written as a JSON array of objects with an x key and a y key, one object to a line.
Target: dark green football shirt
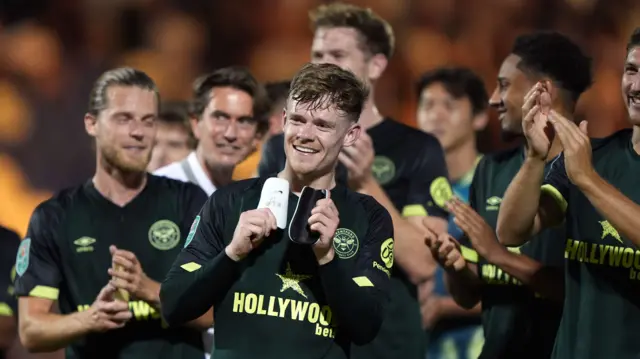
[
  {"x": 9, "y": 242},
  {"x": 65, "y": 257},
  {"x": 277, "y": 302},
  {"x": 516, "y": 322},
  {"x": 410, "y": 167},
  {"x": 601, "y": 312}
]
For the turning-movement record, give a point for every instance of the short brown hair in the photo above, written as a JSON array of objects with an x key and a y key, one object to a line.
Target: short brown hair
[
  {"x": 176, "y": 113},
  {"x": 376, "y": 32},
  {"x": 236, "y": 77},
  {"x": 327, "y": 85}
]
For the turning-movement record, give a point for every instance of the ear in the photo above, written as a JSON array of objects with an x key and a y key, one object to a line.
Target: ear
[
  {"x": 376, "y": 66},
  {"x": 480, "y": 121},
  {"x": 284, "y": 118},
  {"x": 90, "y": 124},
  {"x": 193, "y": 120},
  {"x": 554, "y": 92},
  {"x": 353, "y": 134}
]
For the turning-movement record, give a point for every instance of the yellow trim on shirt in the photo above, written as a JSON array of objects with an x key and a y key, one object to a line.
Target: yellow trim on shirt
[
  {"x": 5, "y": 310},
  {"x": 556, "y": 195},
  {"x": 469, "y": 254},
  {"x": 363, "y": 282},
  {"x": 43, "y": 291},
  {"x": 414, "y": 210}
]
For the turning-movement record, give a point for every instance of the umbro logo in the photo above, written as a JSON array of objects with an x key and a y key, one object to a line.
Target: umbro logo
[
  {"x": 84, "y": 244},
  {"x": 493, "y": 203}
]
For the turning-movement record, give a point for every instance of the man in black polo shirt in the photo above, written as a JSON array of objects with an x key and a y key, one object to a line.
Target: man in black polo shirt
[
  {"x": 92, "y": 246},
  {"x": 593, "y": 188},
  {"x": 274, "y": 298},
  {"x": 519, "y": 321},
  {"x": 401, "y": 167},
  {"x": 9, "y": 242}
]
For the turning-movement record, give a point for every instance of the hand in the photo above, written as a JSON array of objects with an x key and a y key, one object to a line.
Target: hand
[
  {"x": 358, "y": 159},
  {"x": 481, "y": 235},
  {"x": 446, "y": 250},
  {"x": 537, "y": 104},
  {"x": 253, "y": 227},
  {"x": 106, "y": 312},
  {"x": 129, "y": 276},
  {"x": 577, "y": 149},
  {"x": 324, "y": 220}
]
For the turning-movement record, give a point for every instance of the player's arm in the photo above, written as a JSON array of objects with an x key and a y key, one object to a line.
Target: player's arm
[
  {"x": 37, "y": 281},
  {"x": 546, "y": 280},
  {"x": 530, "y": 206},
  {"x": 357, "y": 290},
  {"x": 203, "y": 273},
  {"x": 463, "y": 283},
  {"x": 272, "y": 157},
  {"x": 8, "y": 305}
]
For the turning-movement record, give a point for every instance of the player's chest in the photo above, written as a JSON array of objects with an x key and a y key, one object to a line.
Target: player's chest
[
  {"x": 153, "y": 236},
  {"x": 488, "y": 197}
]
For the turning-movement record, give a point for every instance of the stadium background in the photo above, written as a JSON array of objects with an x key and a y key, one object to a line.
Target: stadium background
[{"x": 53, "y": 50}]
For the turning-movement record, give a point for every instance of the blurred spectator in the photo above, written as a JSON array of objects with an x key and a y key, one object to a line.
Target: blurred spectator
[{"x": 174, "y": 138}]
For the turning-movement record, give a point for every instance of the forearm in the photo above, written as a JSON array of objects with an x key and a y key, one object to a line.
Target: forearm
[
  {"x": 188, "y": 293},
  {"x": 49, "y": 332},
  {"x": 464, "y": 286},
  {"x": 621, "y": 212},
  {"x": 203, "y": 322},
  {"x": 545, "y": 280},
  {"x": 519, "y": 206},
  {"x": 451, "y": 309},
  {"x": 359, "y": 309},
  {"x": 410, "y": 251},
  {"x": 152, "y": 293}
]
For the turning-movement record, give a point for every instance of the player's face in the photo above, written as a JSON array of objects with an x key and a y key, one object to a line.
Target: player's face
[
  {"x": 449, "y": 119},
  {"x": 508, "y": 97},
  {"x": 314, "y": 138},
  {"x": 171, "y": 145},
  {"x": 631, "y": 85},
  {"x": 126, "y": 129},
  {"x": 340, "y": 46},
  {"x": 226, "y": 130}
]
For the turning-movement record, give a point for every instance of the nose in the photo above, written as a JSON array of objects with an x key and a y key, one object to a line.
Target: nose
[
  {"x": 495, "y": 100},
  {"x": 305, "y": 132},
  {"x": 231, "y": 132},
  {"x": 136, "y": 130}
]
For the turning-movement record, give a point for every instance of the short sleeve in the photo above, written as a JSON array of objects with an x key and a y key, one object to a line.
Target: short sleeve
[
  {"x": 374, "y": 264},
  {"x": 37, "y": 265},
  {"x": 205, "y": 239},
  {"x": 556, "y": 183},
  {"x": 429, "y": 187},
  {"x": 273, "y": 157},
  {"x": 9, "y": 243}
]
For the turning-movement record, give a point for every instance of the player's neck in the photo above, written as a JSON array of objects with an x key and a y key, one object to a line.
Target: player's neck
[
  {"x": 120, "y": 187},
  {"x": 635, "y": 139},
  {"x": 370, "y": 115},
  {"x": 219, "y": 176},
  {"x": 314, "y": 180},
  {"x": 460, "y": 160}
]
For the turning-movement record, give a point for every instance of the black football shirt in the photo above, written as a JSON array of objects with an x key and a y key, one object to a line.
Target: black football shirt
[
  {"x": 409, "y": 165},
  {"x": 9, "y": 242},
  {"x": 602, "y": 275},
  {"x": 65, "y": 257},
  {"x": 517, "y": 323},
  {"x": 278, "y": 302}
]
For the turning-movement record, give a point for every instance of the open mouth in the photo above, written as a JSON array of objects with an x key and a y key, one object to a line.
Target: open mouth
[
  {"x": 634, "y": 100},
  {"x": 305, "y": 150}
]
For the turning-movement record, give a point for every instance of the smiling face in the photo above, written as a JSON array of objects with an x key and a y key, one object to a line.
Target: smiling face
[
  {"x": 631, "y": 85},
  {"x": 125, "y": 130},
  {"x": 227, "y": 129},
  {"x": 315, "y": 136},
  {"x": 508, "y": 97}
]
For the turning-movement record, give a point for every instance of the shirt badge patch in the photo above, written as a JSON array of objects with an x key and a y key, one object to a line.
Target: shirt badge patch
[
  {"x": 192, "y": 231},
  {"x": 164, "y": 235},
  {"x": 384, "y": 170},
  {"x": 440, "y": 191},
  {"x": 386, "y": 252},
  {"x": 345, "y": 243},
  {"x": 22, "y": 258}
]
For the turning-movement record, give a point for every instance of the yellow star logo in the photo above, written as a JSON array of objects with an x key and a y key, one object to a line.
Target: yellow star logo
[
  {"x": 607, "y": 229},
  {"x": 291, "y": 280}
]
